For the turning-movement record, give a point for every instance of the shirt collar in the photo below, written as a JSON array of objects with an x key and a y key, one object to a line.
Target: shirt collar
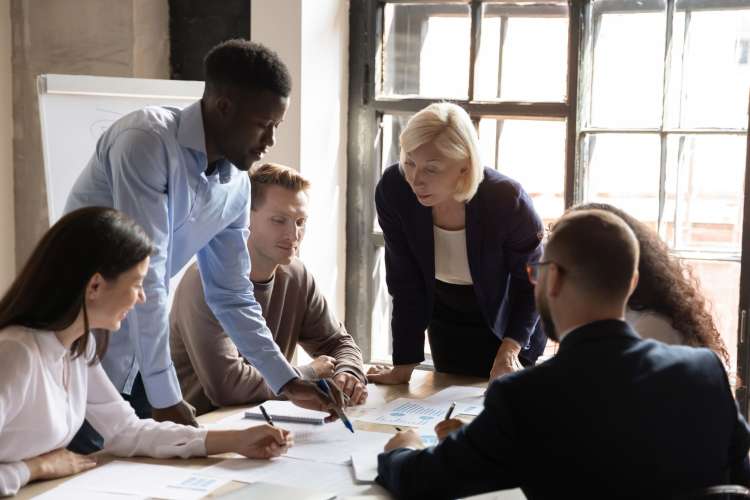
[
  {"x": 190, "y": 132},
  {"x": 192, "y": 135},
  {"x": 49, "y": 346}
]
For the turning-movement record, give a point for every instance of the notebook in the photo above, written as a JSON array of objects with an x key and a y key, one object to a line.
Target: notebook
[{"x": 286, "y": 411}]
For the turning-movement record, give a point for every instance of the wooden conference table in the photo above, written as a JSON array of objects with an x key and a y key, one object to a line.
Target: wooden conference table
[{"x": 423, "y": 384}]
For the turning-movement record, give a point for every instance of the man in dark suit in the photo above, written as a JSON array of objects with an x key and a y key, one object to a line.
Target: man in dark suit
[{"x": 610, "y": 416}]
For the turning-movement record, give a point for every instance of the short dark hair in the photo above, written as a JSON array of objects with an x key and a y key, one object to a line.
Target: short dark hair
[
  {"x": 273, "y": 174},
  {"x": 246, "y": 65},
  {"x": 597, "y": 249},
  {"x": 669, "y": 287},
  {"x": 49, "y": 292}
]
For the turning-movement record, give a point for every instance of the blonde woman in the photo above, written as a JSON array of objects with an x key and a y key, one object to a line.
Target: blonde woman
[{"x": 457, "y": 239}]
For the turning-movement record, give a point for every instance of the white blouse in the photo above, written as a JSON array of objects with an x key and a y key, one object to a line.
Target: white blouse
[
  {"x": 44, "y": 395},
  {"x": 652, "y": 325},
  {"x": 451, "y": 259}
]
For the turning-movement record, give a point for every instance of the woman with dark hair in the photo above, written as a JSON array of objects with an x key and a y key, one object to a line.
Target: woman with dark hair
[
  {"x": 667, "y": 305},
  {"x": 84, "y": 276}
]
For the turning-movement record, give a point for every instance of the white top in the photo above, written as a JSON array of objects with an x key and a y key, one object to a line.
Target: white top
[
  {"x": 44, "y": 395},
  {"x": 652, "y": 325},
  {"x": 451, "y": 260}
]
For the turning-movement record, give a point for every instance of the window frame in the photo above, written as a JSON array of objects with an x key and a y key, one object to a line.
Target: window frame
[{"x": 364, "y": 146}]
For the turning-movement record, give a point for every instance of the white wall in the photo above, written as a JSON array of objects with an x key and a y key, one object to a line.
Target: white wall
[
  {"x": 7, "y": 225},
  {"x": 313, "y": 40}
]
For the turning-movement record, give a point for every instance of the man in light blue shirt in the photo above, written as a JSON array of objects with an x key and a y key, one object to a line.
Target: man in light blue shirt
[{"x": 181, "y": 175}]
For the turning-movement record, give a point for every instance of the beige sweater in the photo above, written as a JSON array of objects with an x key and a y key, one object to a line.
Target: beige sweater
[{"x": 211, "y": 370}]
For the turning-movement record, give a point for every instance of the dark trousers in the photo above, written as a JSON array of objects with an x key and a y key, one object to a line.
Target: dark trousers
[
  {"x": 460, "y": 340},
  {"x": 87, "y": 440}
]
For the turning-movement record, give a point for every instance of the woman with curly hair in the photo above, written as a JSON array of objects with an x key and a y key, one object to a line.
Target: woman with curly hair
[{"x": 667, "y": 305}]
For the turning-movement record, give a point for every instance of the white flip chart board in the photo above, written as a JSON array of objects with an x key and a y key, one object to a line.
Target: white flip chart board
[{"x": 75, "y": 110}]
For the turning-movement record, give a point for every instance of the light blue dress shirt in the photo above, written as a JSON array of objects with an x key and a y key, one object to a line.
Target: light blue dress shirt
[{"x": 151, "y": 165}]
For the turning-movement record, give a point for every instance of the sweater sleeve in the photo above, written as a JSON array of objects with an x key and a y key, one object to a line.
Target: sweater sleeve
[
  {"x": 323, "y": 334},
  {"x": 226, "y": 377},
  {"x": 126, "y": 435}
]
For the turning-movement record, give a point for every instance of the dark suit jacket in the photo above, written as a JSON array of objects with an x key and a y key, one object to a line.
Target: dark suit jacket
[
  {"x": 503, "y": 233},
  {"x": 610, "y": 416}
]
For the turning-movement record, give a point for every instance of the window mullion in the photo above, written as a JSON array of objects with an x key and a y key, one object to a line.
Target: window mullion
[
  {"x": 664, "y": 112},
  {"x": 476, "y": 34}
]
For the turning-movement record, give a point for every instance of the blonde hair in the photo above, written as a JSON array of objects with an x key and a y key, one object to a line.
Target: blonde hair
[
  {"x": 273, "y": 174},
  {"x": 450, "y": 129}
]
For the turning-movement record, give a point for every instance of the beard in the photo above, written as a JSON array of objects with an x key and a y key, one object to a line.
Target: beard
[{"x": 547, "y": 324}]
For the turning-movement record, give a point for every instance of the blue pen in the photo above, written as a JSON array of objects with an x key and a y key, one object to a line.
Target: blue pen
[{"x": 323, "y": 386}]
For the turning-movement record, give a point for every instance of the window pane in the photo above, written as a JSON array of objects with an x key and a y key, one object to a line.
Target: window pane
[
  {"x": 426, "y": 50},
  {"x": 704, "y": 192},
  {"x": 526, "y": 62},
  {"x": 628, "y": 63},
  {"x": 623, "y": 170},
  {"x": 710, "y": 74},
  {"x": 720, "y": 283},
  {"x": 512, "y": 146},
  {"x": 391, "y": 127}
]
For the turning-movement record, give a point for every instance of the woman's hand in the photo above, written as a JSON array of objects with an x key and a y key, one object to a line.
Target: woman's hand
[
  {"x": 506, "y": 360},
  {"x": 352, "y": 387},
  {"x": 445, "y": 427},
  {"x": 323, "y": 366},
  {"x": 404, "y": 439},
  {"x": 58, "y": 463},
  {"x": 398, "y": 374},
  {"x": 262, "y": 441}
]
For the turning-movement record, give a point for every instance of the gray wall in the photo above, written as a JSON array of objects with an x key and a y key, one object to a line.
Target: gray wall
[{"x": 88, "y": 37}]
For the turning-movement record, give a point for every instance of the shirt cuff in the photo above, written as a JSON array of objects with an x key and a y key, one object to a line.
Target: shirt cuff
[
  {"x": 162, "y": 388},
  {"x": 19, "y": 475},
  {"x": 352, "y": 371}
]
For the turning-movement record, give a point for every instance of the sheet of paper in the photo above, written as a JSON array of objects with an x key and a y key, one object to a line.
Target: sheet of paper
[
  {"x": 333, "y": 443},
  {"x": 64, "y": 491},
  {"x": 407, "y": 413},
  {"x": 316, "y": 475},
  {"x": 158, "y": 481},
  {"x": 469, "y": 400},
  {"x": 365, "y": 467}
]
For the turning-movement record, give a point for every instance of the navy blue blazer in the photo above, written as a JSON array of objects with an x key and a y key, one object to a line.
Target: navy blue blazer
[
  {"x": 503, "y": 233},
  {"x": 610, "y": 416}
]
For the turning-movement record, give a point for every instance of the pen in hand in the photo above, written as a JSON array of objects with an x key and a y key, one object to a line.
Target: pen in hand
[
  {"x": 323, "y": 386},
  {"x": 450, "y": 411},
  {"x": 266, "y": 416}
]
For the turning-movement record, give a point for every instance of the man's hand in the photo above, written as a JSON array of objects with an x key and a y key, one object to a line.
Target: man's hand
[
  {"x": 445, "y": 427},
  {"x": 58, "y": 463},
  {"x": 306, "y": 394},
  {"x": 181, "y": 413},
  {"x": 404, "y": 439},
  {"x": 351, "y": 387},
  {"x": 506, "y": 360},
  {"x": 323, "y": 366},
  {"x": 398, "y": 374}
]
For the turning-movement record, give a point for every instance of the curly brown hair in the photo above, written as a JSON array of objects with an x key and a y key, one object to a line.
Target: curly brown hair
[{"x": 668, "y": 287}]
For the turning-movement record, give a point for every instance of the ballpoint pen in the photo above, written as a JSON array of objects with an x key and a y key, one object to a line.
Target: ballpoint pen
[
  {"x": 266, "y": 416},
  {"x": 323, "y": 386},
  {"x": 450, "y": 411}
]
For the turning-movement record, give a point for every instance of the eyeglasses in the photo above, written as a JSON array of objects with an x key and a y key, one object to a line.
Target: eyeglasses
[{"x": 532, "y": 270}]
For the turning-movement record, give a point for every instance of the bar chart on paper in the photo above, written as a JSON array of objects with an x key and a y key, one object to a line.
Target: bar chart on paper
[{"x": 407, "y": 412}]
